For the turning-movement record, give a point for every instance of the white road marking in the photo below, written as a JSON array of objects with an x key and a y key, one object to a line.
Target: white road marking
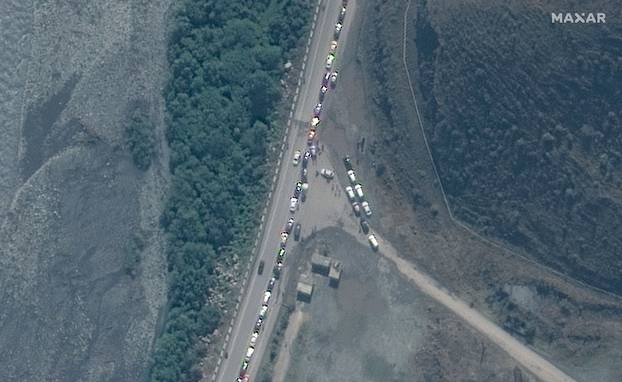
[{"x": 272, "y": 186}]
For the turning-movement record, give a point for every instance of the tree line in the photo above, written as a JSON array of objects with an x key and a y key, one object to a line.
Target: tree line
[{"x": 225, "y": 60}]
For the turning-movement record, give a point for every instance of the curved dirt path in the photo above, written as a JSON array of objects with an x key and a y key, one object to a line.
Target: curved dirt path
[{"x": 531, "y": 360}]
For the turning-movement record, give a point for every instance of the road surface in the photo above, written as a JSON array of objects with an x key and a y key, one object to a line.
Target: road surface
[{"x": 278, "y": 213}]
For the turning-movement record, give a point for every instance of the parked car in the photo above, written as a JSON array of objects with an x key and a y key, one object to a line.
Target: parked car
[
  {"x": 350, "y": 193},
  {"x": 297, "y": 230},
  {"x": 303, "y": 174},
  {"x": 296, "y": 158},
  {"x": 290, "y": 223},
  {"x": 347, "y": 162},
  {"x": 317, "y": 110},
  {"x": 253, "y": 340},
  {"x": 327, "y": 173},
  {"x": 373, "y": 241},
  {"x": 323, "y": 91},
  {"x": 342, "y": 14},
  {"x": 313, "y": 150},
  {"x": 305, "y": 159},
  {"x": 333, "y": 47},
  {"x": 271, "y": 283},
  {"x": 258, "y": 323},
  {"x": 338, "y": 28},
  {"x": 333, "y": 78},
  {"x": 293, "y": 204},
  {"x": 315, "y": 121},
  {"x": 366, "y": 208},
  {"x": 266, "y": 297},
  {"x": 260, "y": 268},
  {"x": 276, "y": 272},
  {"x": 329, "y": 61},
  {"x": 281, "y": 255},
  {"x": 359, "y": 191},
  {"x": 243, "y": 368},
  {"x": 364, "y": 226},
  {"x": 297, "y": 189},
  {"x": 310, "y": 136},
  {"x": 249, "y": 353},
  {"x": 262, "y": 312},
  {"x": 351, "y": 176},
  {"x": 284, "y": 236},
  {"x": 356, "y": 207},
  {"x": 325, "y": 79}
]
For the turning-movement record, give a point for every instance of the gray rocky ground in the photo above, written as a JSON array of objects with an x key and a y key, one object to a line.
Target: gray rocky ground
[
  {"x": 75, "y": 303},
  {"x": 376, "y": 326}
]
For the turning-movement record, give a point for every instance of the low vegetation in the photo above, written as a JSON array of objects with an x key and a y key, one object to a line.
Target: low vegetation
[
  {"x": 140, "y": 134},
  {"x": 225, "y": 62},
  {"x": 526, "y": 131}
]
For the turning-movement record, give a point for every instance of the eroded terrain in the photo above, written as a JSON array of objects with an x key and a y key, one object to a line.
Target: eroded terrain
[{"x": 82, "y": 275}]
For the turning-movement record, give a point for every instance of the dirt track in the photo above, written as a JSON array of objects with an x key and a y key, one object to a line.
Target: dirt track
[{"x": 525, "y": 356}]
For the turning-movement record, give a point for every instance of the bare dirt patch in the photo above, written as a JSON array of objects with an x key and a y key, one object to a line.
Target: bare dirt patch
[{"x": 376, "y": 326}]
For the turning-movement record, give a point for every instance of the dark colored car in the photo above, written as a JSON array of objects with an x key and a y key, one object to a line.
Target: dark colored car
[
  {"x": 260, "y": 268},
  {"x": 297, "y": 192},
  {"x": 276, "y": 272},
  {"x": 289, "y": 225},
  {"x": 364, "y": 226},
  {"x": 347, "y": 162},
  {"x": 303, "y": 175},
  {"x": 297, "y": 229},
  {"x": 258, "y": 324}
]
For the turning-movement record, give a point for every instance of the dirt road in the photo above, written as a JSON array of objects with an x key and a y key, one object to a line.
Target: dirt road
[
  {"x": 521, "y": 353},
  {"x": 282, "y": 362}
]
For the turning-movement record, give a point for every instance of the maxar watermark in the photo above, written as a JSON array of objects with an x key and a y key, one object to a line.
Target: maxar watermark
[{"x": 578, "y": 18}]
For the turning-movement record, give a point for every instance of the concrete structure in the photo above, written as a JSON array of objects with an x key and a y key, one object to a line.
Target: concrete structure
[
  {"x": 320, "y": 264},
  {"x": 334, "y": 275},
  {"x": 304, "y": 291}
]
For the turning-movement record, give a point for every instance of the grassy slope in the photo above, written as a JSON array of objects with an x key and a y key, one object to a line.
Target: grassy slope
[{"x": 523, "y": 120}]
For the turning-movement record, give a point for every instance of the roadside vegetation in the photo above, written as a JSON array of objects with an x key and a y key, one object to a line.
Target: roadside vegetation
[{"x": 225, "y": 62}]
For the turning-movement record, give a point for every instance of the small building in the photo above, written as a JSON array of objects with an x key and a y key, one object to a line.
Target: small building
[
  {"x": 320, "y": 264},
  {"x": 334, "y": 275},
  {"x": 304, "y": 291}
]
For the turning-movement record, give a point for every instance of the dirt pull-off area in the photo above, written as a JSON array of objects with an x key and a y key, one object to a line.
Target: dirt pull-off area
[
  {"x": 82, "y": 261},
  {"x": 372, "y": 118},
  {"x": 377, "y": 326}
]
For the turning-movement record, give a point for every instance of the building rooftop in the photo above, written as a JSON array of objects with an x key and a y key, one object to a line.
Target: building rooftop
[
  {"x": 304, "y": 288},
  {"x": 320, "y": 263}
]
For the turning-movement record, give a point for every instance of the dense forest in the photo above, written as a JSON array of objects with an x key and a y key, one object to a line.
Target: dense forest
[
  {"x": 524, "y": 122},
  {"x": 225, "y": 62}
]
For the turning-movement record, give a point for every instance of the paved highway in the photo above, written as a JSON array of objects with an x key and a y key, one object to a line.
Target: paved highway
[{"x": 278, "y": 213}]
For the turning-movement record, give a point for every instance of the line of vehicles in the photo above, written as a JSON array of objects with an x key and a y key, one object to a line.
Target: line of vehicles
[
  {"x": 360, "y": 206},
  {"x": 299, "y": 195}
]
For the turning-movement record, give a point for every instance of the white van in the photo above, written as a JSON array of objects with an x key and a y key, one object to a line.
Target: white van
[{"x": 373, "y": 241}]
